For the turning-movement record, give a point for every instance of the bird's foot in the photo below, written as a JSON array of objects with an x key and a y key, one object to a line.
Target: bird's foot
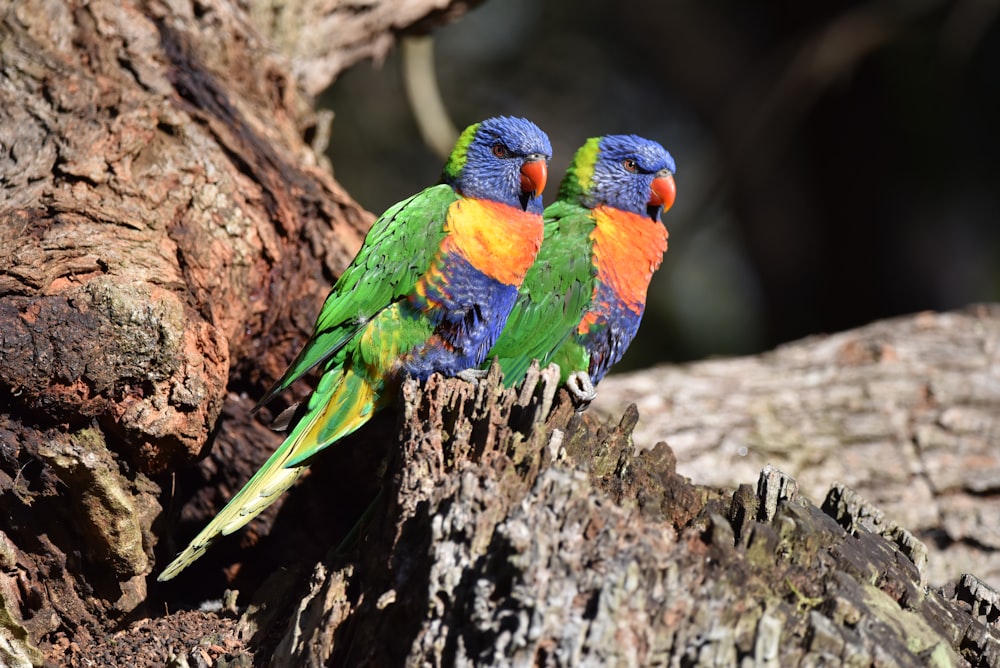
[
  {"x": 472, "y": 375},
  {"x": 581, "y": 389}
]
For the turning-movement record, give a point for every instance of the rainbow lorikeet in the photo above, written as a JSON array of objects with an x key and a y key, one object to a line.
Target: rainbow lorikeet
[
  {"x": 429, "y": 291},
  {"x": 581, "y": 302}
]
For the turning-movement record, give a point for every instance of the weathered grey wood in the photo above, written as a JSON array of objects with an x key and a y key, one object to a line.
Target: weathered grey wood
[
  {"x": 906, "y": 412},
  {"x": 517, "y": 536}
]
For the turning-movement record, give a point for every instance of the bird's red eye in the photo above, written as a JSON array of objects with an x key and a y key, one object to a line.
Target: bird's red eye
[
  {"x": 630, "y": 165},
  {"x": 500, "y": 151}
]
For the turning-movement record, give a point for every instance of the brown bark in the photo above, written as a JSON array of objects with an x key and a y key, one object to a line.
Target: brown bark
[
  {"x": 322, "y": 39},
  {"x": 166, "y": 233},
  {"x": 166, "y": 236}
]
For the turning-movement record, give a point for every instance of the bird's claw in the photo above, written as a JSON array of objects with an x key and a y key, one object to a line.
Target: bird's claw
[
  {"x": 581, "y": 389},
  {"x": 472, "y": 375}
]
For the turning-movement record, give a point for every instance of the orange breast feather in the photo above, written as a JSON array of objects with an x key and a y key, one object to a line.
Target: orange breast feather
[
  {"x": 628, "y": 248},
  {"x": 499, "y": 240}
]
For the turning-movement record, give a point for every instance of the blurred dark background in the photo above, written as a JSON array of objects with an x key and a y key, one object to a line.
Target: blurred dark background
[{"x": 837, "y": 162}]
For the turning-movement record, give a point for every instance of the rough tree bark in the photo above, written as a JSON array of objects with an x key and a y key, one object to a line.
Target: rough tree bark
[
  {"x": 166, "y": 236},
  {"x": 517, "y": 532},
  {"x": 906, "y": 412}
]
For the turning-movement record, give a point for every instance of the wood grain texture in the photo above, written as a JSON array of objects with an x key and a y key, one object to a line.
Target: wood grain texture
[
  {"x": 905, "y": 411},
  {"x": 520, "y": 533}
]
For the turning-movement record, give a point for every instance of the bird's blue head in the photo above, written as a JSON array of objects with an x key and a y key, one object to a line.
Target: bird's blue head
[
  {"x": 503, "y": 159},
  {"x": 626, "y": 172}
]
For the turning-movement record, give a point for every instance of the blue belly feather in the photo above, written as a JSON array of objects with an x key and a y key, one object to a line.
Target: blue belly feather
[{"x": 468, "y": 310}]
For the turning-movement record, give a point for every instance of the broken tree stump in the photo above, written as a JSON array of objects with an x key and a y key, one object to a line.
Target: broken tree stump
[{"x": 514, "y": 531}]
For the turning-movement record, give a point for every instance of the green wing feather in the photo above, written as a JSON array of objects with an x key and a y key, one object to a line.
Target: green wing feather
[
  {"x": 397, "y": 251},
  {"x": 554, "y": 296}
]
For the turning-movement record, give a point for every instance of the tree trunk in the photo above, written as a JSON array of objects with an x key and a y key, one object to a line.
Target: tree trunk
[
  {"x": 167, "y": 234},
  {"x": 905, "y": 411}
]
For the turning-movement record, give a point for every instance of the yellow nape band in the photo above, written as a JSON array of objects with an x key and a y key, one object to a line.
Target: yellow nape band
[
  {"x": 456, "y": 161},
  {"x": 585, "y": 161}
]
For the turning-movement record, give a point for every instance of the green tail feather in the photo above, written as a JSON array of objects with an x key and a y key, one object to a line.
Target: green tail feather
[{"x": 342, "y": 402}]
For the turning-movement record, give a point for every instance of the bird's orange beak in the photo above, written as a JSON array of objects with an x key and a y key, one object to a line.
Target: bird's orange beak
[
  {"x": 663, "y": 191},
  {"x": 534, "y": 174}
]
